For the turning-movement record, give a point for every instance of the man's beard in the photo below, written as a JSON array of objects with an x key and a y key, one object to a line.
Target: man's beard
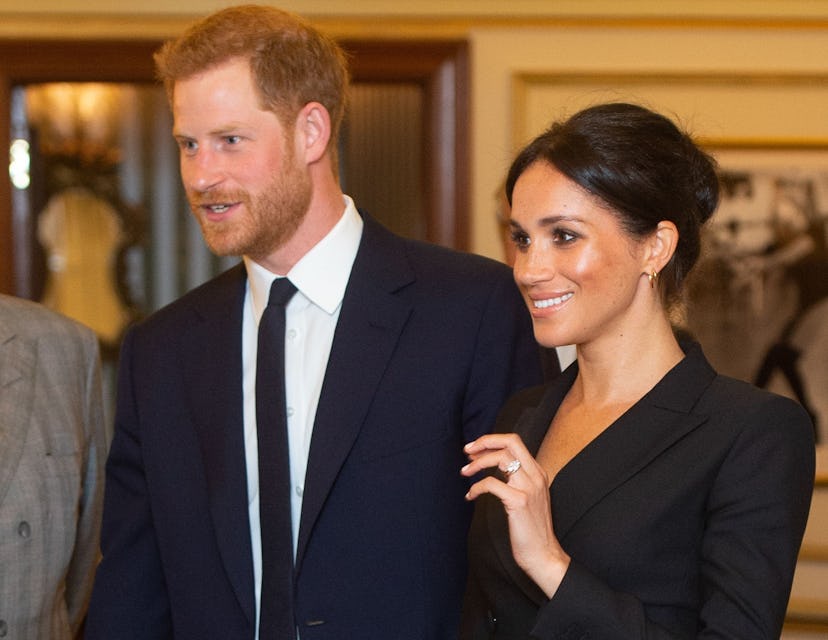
[{"x": 268, "y": 221}]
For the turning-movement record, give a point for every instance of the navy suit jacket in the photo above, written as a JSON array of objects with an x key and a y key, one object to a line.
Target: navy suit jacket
[
  {"x": 683, "y": 518},
  {"x": 428, "y": 345}
]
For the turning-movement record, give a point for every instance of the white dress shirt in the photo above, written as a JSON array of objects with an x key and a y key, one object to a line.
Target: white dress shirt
[
  {"x": 310, "y": 321},
  {"x": 567, "y": 354}
]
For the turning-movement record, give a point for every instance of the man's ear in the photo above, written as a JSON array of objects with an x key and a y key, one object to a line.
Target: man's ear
[
  {"x": 313, "y": 131},
  {"x": 661, "y": 246}
]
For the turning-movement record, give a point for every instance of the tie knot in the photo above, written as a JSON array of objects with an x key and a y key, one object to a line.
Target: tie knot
[{"x": 281, "y": 291}]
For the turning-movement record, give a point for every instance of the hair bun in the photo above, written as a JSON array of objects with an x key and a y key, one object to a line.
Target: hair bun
[{"x": 706, "y": 181}]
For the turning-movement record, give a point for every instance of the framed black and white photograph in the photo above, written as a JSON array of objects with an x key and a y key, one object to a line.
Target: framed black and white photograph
[{"x": 758, "y": 300}]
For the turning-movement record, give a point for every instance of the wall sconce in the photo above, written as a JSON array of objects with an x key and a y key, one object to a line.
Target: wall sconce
[{"x": 76, "y": 119}]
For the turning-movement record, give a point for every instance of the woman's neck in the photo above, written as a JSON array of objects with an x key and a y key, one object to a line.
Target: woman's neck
[{"x": 621, "y": 369}]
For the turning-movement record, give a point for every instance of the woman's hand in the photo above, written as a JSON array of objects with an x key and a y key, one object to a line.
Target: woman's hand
[{"x": 524, "y": 492}]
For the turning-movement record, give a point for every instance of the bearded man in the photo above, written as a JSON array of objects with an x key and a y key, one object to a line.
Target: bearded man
[{"x": 395, "y": 354}]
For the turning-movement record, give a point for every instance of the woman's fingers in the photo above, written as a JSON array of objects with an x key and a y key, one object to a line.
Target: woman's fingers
[
  {"x": 496, "y": 487},
  {"x": 495, "y": 441},
  {"x": 523, "y": 489},
  {"x": 504, "y": 451},
  {"x": 500, "y": 459},
  {"x": 507, "y": 454}
]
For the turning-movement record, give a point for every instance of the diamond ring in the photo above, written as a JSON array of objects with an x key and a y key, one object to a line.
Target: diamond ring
[{"x": 513, "y": 467}]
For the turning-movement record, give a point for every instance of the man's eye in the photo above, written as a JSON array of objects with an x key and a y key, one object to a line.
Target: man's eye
[{"x": 187, "y": 146}]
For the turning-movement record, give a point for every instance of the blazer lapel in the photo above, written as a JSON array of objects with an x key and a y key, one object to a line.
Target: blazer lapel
[
  {"x": 659, "y": 419},
  {"x": 662, "y": 417},
  {"x": 370, "y": 322},
  {"x": 17, "y": 365},
  {"x": 531, "y": 427},
  {"x": 212, "y": 364}
]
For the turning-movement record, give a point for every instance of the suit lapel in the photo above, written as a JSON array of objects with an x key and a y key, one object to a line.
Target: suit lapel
[
  {"x": 212, "y": 363},
  {"x": 657, "y": 421},
  {"x": 532, "y": 427},
  {"x": 370, "y": 322},
  {"x": 17, "y": 368}
]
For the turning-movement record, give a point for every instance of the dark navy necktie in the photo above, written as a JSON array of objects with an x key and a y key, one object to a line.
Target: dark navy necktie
[{"x": 276, "y": 621}]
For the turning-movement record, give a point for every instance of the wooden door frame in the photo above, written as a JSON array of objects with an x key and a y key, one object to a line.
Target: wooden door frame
[
  {"x": 439, "y": 67},
  {"x": 25, "y": 62}
]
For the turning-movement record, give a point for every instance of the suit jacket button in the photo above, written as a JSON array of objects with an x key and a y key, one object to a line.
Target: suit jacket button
[
  {"x": 24, "y": 530},
  {"x": 491, "y": 621}
]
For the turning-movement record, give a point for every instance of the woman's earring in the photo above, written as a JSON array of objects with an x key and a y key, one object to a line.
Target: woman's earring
[{"x": 653, "y": 277}]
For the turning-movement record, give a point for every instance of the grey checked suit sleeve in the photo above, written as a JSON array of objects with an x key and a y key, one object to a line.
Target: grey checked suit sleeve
[{"x": 86, "y": 554}]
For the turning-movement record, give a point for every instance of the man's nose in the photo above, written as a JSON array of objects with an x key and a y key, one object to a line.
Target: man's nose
[{"x": 202, "y": 171}]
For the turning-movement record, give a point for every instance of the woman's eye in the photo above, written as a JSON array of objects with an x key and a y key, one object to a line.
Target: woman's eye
[
  {"x": 520, "y": 239},
  {"x": 562, "y": 236}
]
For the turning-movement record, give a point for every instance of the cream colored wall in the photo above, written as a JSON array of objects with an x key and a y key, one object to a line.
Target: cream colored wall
[{"x": 440, "y": 8}]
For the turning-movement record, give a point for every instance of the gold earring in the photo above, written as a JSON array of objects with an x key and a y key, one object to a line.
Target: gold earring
[{"x": 653, "y": 277}]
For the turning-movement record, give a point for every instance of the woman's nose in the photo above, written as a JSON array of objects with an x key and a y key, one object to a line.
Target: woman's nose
[{"x": 532, "y": 266}]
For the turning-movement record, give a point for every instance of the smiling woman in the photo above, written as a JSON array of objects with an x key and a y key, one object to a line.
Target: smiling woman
[
  {"x": 652, "y": 495},
  {"x": 576, "y": 267}
]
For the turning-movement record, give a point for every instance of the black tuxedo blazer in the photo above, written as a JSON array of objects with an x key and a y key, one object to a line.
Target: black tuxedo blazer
[
  {"x": 683, "y": 518},
  {"x": 428, "y": 345}
]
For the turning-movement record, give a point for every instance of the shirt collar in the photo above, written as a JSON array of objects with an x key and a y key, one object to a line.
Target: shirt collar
[{"x": 321, "y": 275}]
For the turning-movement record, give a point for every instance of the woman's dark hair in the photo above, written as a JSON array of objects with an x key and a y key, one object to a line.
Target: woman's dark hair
[{"x": 642, "y": 167}]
